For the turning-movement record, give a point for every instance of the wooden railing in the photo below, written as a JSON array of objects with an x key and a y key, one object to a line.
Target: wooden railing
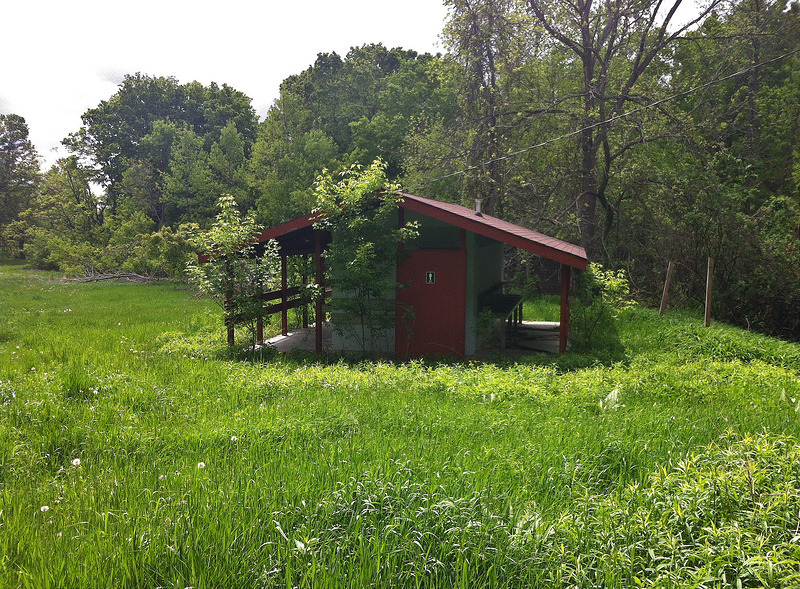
[
  {"x": 291, "y": 298},
  {"x": 290, "y": 303}
]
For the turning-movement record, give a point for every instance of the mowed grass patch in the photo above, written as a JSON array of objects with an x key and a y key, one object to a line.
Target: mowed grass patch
[{"x": 135, "y": 451}]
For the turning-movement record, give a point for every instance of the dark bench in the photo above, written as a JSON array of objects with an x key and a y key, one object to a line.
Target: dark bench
[{"x": 504, "y": 306}]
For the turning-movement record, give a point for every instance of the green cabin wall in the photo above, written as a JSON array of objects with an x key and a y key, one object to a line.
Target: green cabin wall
[
  {"x": 345, "y": 336},
  {"x": 484, "y": 270}
]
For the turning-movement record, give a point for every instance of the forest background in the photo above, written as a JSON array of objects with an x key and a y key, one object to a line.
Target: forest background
[{"x": 601, "y": 122}]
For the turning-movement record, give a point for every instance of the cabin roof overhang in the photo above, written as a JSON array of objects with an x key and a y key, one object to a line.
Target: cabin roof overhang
[
  {"x": 497, "y": 229},
  {"x": 297, "y": 236}
]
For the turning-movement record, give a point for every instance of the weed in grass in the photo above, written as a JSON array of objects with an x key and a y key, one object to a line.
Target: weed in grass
[
  {"x": 725, "y": 516},
  {"x": 77, "y": 384}
]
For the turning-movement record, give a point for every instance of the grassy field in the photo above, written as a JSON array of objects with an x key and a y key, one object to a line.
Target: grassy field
[{"x": 135, "y": 451}]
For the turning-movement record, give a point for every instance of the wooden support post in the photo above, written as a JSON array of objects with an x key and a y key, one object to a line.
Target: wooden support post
[
  {"x": 305, "y": 307},
  {"x": 667, "y": 282},
  {"x": 399, "y": 310},
  {"x": 401, "y": 222},
  {"x": 709, "y": 282},
  {"x": 284, "y": 286},
  {"x": 260, "y": 330},
  {"x": 563, "y": 327},
  {"x": 318, "y": 310}
]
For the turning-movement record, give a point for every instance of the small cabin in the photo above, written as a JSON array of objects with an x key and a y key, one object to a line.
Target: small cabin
[{"x": 451, "y": 276}]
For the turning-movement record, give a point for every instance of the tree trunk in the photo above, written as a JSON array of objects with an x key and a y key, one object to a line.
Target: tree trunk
[{"x": 587, "y": 201}]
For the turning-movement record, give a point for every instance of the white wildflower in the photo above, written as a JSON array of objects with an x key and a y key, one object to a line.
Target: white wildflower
[
  {"x": 611, "y": 401},
  {"x": 44, "y": 508},
  {"x": 201, "y": 465},
  {"x": 234, "y": 438},
  {"x": 76, "y": 462}
]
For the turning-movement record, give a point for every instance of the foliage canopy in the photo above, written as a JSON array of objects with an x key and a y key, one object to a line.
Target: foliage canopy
[
  {"x": 360, "y": 211},
  {"x": 234, "y": 274}
]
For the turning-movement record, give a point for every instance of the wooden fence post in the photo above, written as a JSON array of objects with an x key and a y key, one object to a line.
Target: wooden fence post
[
  {"x": 709, "y": 282},
  {"x": 664, "y": 296},
  {"x": 229, "y": 319}
]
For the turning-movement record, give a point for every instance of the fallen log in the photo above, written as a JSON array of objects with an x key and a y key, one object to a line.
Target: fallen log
[{"x": 126, "y": 276}]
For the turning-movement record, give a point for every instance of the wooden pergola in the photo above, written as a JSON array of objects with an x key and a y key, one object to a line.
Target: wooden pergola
[{"x": 298, "y": 237}]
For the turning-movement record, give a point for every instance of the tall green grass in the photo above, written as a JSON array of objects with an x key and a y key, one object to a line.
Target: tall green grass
[
  {"x": 136, "y": 451},
  {"x": 542, "y": 308}
]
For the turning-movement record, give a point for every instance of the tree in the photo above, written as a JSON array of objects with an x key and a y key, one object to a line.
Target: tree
[
  {"x": 19, "y": 168},
  {"x": 755, "y": 116},
  {"x": 190, "y": 193},
  {"x": 360, "y": 211},
  {"x": 233, "y": 275},
  {"x": 143, "y": 121},
  {"x": 487, "y": 38},
  {"x": 615, "y": 44},
  {"x": 340, "y": 91},
  {"x": 338, "y": 112},
  {"x": 226, "y": 160},
  {"x": 64, "y": 226},
  {"x": 282, "y": 170}
]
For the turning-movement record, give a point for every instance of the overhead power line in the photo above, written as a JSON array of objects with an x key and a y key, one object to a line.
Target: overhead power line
[{"x": 608, "y": 120}]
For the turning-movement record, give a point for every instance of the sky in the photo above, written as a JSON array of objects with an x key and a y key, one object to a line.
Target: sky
[{"x": 69, "y": 56}]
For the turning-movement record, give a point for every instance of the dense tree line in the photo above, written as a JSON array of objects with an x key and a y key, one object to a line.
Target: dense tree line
[{"x": 608, "y": 123}]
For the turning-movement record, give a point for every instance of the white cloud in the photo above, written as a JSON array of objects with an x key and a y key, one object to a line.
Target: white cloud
[{"x": 112, "y": 74}]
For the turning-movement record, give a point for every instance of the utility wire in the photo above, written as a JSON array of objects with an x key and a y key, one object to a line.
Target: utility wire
[{"x": 605, "y": 122}]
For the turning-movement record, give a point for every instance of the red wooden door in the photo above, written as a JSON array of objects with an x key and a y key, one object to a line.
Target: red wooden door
[{"x": 435, "y": 293}]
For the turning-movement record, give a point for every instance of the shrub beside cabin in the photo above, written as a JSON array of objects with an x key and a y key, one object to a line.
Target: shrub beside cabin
[{"x": 451, "y": 280}]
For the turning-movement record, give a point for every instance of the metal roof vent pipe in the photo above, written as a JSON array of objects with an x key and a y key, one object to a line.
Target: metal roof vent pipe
[{"x": 478, "y": 202}]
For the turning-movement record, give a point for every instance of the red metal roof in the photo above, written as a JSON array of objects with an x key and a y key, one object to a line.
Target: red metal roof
[
  {"x": 499, "y": 230},
  {"x": 464, "y": 218}
]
